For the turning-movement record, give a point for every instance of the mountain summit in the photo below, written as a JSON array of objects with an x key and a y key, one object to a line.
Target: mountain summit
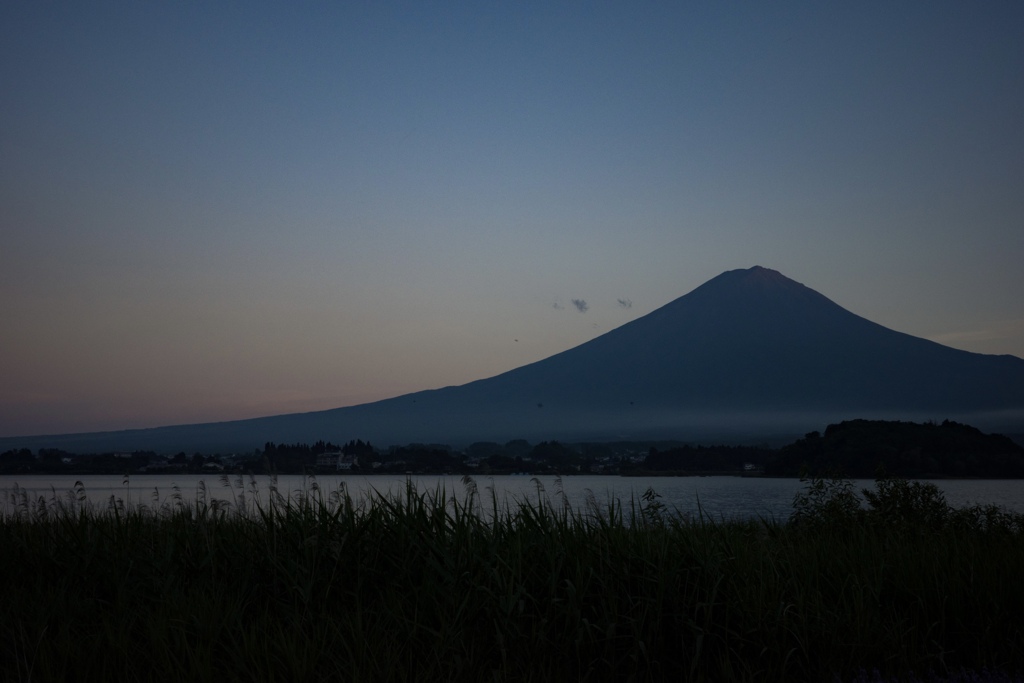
[
  {"x": 754, "y": 346},
  {"x": 749, "y": 351}
]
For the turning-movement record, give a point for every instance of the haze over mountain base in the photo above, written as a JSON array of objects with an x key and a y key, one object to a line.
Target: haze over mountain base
[{"x": 749, "y": 354}]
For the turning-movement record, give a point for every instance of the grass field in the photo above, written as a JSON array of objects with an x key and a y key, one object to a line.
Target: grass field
[{"x": 893, "y": 585}]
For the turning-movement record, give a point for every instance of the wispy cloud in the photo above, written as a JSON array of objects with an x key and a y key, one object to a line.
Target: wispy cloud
[
  {"x": 581, "y": 305},
  {"x": 990, "y": 339},
  {"x": 1001, "y": 329},
  {"x": 625, "y": 303},
  {"x": 964, "y": 337}
]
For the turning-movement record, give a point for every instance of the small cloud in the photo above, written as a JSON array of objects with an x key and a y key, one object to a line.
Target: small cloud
[
  {"x": 581, "y": 305},
  {"x": 625, "y": 303},
  {"x": 557, "y": 306}
]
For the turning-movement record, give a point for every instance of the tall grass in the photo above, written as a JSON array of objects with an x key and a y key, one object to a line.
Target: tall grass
[{"x": 424, "y": 585}]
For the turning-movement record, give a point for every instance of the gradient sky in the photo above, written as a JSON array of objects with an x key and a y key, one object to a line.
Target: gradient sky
[{"x": 211, "y": 213}]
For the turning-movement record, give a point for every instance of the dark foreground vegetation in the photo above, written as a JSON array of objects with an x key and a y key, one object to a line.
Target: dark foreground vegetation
[
  {"x": 884, "y": 585},
  {"x": 857, "y": 448}
]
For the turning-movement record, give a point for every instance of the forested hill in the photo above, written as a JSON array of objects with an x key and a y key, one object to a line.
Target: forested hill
[{"x": 858, "y": 448}]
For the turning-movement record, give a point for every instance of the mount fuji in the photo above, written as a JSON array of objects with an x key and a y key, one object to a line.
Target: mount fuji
[{"x": 747, "y": 353}]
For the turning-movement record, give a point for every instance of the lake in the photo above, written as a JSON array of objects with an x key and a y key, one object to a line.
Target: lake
[{"x": 715, "y": 497}]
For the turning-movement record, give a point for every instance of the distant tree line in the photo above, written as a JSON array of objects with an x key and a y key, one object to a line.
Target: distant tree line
[
  {"x": 704, "y": 459},
  {"x": 856, "y": 448}
]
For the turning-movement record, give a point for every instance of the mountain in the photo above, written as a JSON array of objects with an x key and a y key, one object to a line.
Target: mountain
[{"x": 749, "y": 352}]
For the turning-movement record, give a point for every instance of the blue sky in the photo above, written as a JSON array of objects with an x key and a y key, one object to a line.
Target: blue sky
[{"x": 212, "y": 211}]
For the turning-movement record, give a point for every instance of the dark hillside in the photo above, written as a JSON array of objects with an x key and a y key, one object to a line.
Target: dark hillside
[{"x": 858, "y": 448}]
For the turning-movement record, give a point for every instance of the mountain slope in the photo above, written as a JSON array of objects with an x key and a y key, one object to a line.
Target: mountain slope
[
  {"x": 749, "y": 350},
  {"x": 755, "y": 339}
]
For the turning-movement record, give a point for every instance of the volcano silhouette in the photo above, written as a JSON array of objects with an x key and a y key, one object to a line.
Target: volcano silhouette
[{"x": 748, "y": 352}]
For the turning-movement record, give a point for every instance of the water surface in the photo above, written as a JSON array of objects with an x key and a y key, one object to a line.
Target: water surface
[{"x": 713, "y": 497}]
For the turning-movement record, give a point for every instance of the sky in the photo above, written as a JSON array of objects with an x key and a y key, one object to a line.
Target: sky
[{"x": 213, "y": 211}]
